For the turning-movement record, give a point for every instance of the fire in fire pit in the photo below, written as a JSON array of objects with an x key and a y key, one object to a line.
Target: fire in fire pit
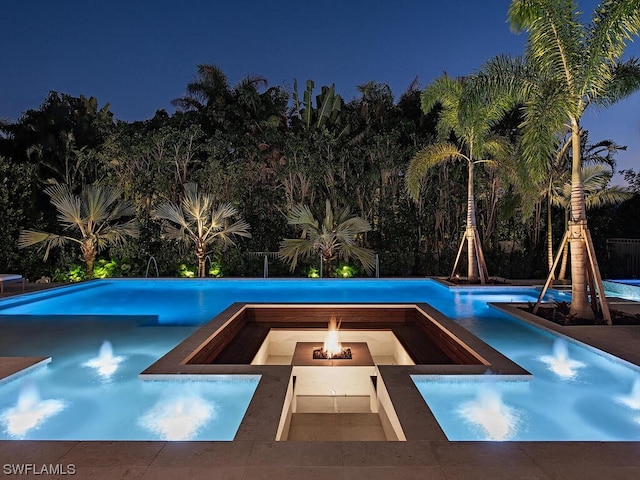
[{"x": 332, "y": 349}]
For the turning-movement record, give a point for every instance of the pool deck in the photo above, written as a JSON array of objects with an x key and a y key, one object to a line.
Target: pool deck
[{"x": 427, "y": 455}]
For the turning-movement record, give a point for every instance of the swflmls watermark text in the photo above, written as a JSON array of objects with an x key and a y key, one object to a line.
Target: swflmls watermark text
[{"x": 38, "y": 469}]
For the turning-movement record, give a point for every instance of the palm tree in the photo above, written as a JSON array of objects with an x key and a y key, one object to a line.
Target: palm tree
[
  {"x": 196, "y": 221},
  {"x": 333, "y": 237},
  {"x": 469, "y": 114},
  {"x": 95, "y": 216},
  {"x": 579, "y": 65}
]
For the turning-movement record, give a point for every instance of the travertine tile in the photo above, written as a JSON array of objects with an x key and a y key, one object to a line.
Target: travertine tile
[
  {"x": 480, "y": 454},
  {"x": 388, "y": 454},
  {"x": 293, "y": 473},
  {"x": 105, "y": 473},
  {"x": 106, "y": 454},
  {"x": 27, "y": 451},
  {"x": 203, "y": 454},
  {"x": 584, "y": 454},
  {"x": 296, "y": 454},
  {"x": 394, "y": 473},
  {"x": 194, "y": 473},
  {"x": 593, "y": 473},
  {"x": 497, "y": 473}
]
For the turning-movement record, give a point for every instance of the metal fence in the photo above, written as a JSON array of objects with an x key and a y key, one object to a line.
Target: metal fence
[{"x": 623, "y": 258}]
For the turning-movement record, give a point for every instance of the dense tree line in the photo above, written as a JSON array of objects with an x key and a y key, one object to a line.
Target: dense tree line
[{"x": 266, "y": 150}]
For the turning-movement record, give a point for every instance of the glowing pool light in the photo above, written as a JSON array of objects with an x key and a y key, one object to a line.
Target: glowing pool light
[
  {"x": 560, "y": 363},
  {"x": 30, "y": 411},
  {"x": 633, "y": 399},
  {"x": 487, "y": 411},
  {"x": 105, "y": 363},
  {"x": 179, "y": 418}
]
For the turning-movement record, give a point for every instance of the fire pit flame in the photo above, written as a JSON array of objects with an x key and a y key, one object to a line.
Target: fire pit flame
[{"x": 332, "y": 347}]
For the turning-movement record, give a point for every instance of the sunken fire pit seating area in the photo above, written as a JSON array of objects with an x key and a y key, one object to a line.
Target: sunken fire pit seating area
[{"x": 299, "y": 397}]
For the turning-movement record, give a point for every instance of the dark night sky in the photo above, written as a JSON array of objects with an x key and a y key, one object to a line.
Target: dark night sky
[{"x": 138, "y": 55}]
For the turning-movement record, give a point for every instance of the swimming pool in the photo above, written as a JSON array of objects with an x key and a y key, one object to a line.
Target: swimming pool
[
  {"x": 629, "y": 289},
  {"x": 143, "y": 319}
]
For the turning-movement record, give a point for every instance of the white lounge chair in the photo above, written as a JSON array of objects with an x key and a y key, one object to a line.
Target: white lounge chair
[{"x": 10, "y": 277}]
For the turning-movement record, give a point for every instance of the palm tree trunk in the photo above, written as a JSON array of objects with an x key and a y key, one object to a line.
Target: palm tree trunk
[
  {"x": 549, "y": 236},
  {"x": 326, "y": 267},
  {"x": 580, "y": 306},
  {"x": 89, "y": 255},
  {"x": 472, "y": 271},
  {"x": 200, "y": 255}
]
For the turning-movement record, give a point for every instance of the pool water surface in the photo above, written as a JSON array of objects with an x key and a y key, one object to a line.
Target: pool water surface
[{"x": 143, "y": 319}]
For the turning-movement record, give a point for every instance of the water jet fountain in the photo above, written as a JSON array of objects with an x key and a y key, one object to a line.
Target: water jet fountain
[
  {"x": 497, "y": 420},
  {"x": 105, "y": 363},
  {"x": 560, "y": 363},
  {"x": 179, "y": 418},
  {"x": 30, "y": 411},
  {"x": 633, "y": 399}
]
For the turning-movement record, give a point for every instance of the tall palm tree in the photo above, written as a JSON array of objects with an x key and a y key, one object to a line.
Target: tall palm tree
[
  {"x": 95, "y": 216},
  {"x": 333, "y": 237},
  {"x": 580, "y": 66},
  {"x": 469, "y": 114},
  {"x": 198, "y": 222}
]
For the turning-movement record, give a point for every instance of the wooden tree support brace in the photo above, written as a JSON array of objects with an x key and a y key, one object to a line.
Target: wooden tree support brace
[
  {"x": 553, "y": 269},
  {"x": 455, "y": 265},
  {"x": 482, "y": 266},
  {"x": 595, "y": 270}
]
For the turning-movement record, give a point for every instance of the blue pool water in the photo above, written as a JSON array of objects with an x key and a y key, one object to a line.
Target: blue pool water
[
  {"x": 628, "y": 289},
  {"x": 635, "y": 282},
  {"x": 591, "y": 398}
]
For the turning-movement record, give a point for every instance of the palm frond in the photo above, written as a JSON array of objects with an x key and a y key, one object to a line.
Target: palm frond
[
  {"x": 292, "y": 248},
  {"x": 224, "y": 236},
  {"x": 613, "y": 195},
  {"x": 546, "y": 114},
  {"x": 444, "y": 90},
  {"x": 624, "y": 80},
  {"x": 196, "y": 205},
  {"x": 69, "y": 206},
  {"x": 221, "y": 214},
  {"x": 366, "y": 256},
  {"x": 177, "y": 233},
  {"x": 614, "y": 24},
  {"x": 427, "y": 158},
  {"x": 170, "y": 211},
  {"x": 28, "y": 238},
  {"x": 503, "y": 76},
  {"x": 302, "y": 216},
  {"x": 556, "y": 37},
  {"x": 352, "y": 227}
]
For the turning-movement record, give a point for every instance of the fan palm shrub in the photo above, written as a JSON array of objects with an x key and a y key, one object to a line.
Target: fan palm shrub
[
  {"x": 332, "y": 237},
  {"x": 95, "y": 219},
  {"x": 198, "y": 222}
]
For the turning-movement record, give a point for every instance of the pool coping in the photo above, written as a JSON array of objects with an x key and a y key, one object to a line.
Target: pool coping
[{"x": 15, "y": 367}]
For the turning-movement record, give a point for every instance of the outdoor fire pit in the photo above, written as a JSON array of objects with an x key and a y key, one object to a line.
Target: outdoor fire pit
[{"x": 322, "y": 354}]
